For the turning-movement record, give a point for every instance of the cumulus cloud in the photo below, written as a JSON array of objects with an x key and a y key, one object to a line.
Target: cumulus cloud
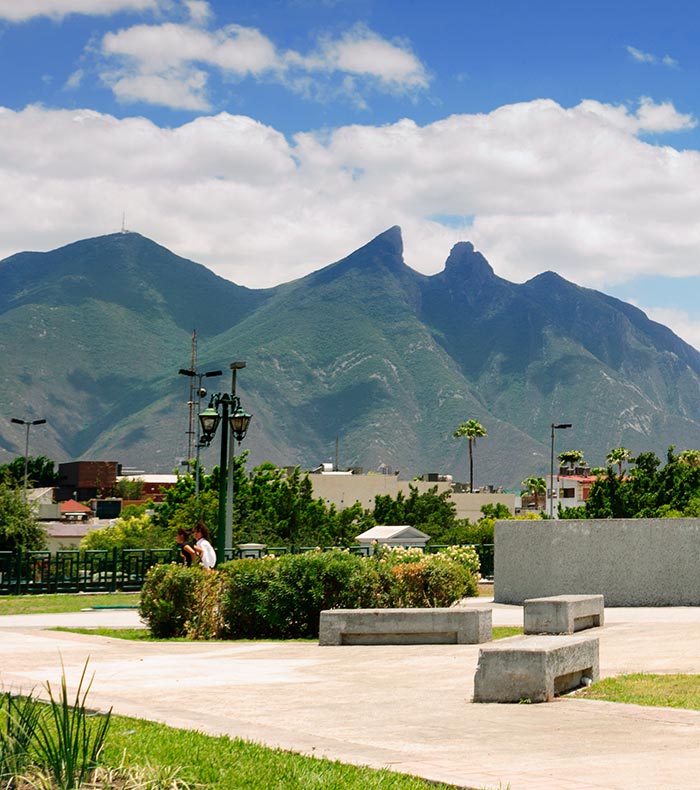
[
  {"x": 172, "y": 53},
  {"x": 679, "y": 321},
  {"x": 23, "y": 10},
  {"x": 576, "y": 190},
  {"x": 647, "y": 57}
]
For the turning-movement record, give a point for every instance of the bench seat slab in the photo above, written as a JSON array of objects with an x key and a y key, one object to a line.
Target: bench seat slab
[{"x": 535, "y": 668}]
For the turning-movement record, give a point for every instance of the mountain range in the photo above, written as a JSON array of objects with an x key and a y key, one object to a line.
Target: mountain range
[{"x": 364, "y": 358}]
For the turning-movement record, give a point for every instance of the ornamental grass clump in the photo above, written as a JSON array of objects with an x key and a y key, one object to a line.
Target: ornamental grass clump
[
  {"x": 54, "y": 745},
  {"x": 18, "y": 721},
  {"x": 69, "y": 738}
]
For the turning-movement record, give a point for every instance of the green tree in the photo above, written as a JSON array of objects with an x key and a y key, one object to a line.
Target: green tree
[
  {"x": 496, "y": 511},
  {"x": 138, "y": 532},
  {"x": 618, "y": 456},
  {"x": 129, "y": 489},
  {"x": 470, "y": 430},
  {"x": 537, "y": 486},
  {"x": 41, "y": 472},
  {"x": 19, "y": 528},
  {"x": 689, "y": 458}
]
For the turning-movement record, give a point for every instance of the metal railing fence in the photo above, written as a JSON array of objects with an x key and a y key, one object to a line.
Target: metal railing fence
[
  {"x": 27, "y": 572},
  {"x": 36, "y": 572}
]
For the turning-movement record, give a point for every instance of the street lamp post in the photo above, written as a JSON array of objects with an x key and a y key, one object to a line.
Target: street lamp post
[
  {"x": 555, "y": 427},
  {"x": 28, "y": 424},
  {"x": 231, "y": 458},
  {"x": 236, "y": 420}
]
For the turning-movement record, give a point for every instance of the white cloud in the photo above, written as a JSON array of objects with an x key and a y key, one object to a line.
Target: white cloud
[
  {"x": 679, "y": 321},
  {"x": 23, "y": 10},
  {"x": 168, "y": 53},
  {"x": 199, "y": 10},
  {"x": 361, "y": 52},
  {"x": 647, "y": 57},
  {"x": 540, "y": 186}
]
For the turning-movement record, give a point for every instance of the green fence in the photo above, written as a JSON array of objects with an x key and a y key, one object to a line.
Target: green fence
[
  {"x": 27, "y": 572},
  {"x": 34, "y": 572}
]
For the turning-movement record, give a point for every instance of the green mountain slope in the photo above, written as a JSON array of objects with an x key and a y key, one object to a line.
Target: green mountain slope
[{"x": 366, "y": 351}]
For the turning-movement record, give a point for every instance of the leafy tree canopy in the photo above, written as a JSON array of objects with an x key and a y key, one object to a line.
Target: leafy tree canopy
[
  {"x": 19, "y": 529},
  {"x": 649, "y": 490},
  {"x": 41, "y": 472}
]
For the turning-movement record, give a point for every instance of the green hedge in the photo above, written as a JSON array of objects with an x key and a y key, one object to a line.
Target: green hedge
[{"x": 283, "y": 597}]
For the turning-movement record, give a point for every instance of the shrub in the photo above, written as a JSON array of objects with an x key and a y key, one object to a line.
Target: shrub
[
  {"x": 169, "y": 599},
  {"x": 205, "y": 616},
  {"x": 305, "y": 584},
  {"x": 283, "y": 597},
  {"x": 243, "y": 598}
]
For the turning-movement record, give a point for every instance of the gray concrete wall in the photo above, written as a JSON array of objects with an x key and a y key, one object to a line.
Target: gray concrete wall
[
  {"x": 632, "y": 562},
  {"x": 344, "y": 490}
]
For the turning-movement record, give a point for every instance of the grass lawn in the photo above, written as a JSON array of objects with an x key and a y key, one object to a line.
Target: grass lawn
[
  {"x": 143, "y": 635},
  {"x": 219, "y": 763},
  {"x": 63, "y": 602},
  {"x": 663, "y": 691}
]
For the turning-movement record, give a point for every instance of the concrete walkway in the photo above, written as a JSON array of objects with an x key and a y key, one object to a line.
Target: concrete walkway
[{"x": 403, "y": 707}]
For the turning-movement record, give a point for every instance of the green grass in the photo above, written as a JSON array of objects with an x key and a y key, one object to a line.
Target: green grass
[
  {"x": 220, "y": 763},
  {"x": 661, "y": 691},
  {"x": 503, "y": 631},
  {"x": 63, "y": 602},
  {"x": 144, "y": 635}
]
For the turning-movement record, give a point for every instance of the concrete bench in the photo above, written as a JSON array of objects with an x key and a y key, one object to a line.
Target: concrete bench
[
  {"x": 535, "y": 668},
  {"x": 404, "y": 626},
  {"x": 562, "y": 614}
]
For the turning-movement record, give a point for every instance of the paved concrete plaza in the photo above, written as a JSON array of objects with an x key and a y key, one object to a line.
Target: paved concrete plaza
[{"x": 403, "y": 707}]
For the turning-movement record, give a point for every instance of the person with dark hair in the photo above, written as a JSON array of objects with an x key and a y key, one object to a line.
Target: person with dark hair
[
  {"x": 204, "y": 549},
  {"x": 184, "y": 545}
]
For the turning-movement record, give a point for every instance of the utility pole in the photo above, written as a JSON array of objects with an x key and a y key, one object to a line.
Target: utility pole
[{"x": 229, "y": 469}]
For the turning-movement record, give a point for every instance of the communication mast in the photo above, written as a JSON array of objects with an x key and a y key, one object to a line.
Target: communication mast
[{"x": 192, "y": 400}]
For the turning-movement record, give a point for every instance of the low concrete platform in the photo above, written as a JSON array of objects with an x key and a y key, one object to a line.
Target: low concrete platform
[
  {"x": 446, "y": 626},
  {"x": 535, "y": 668},
  {"x": 563, "y": 614}
]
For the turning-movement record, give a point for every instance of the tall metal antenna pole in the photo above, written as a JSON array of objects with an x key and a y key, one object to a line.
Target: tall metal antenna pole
[{"x": 192, "y": 402}]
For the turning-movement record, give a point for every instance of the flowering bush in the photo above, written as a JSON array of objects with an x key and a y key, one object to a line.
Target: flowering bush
[{"x": 283, "y": 597}]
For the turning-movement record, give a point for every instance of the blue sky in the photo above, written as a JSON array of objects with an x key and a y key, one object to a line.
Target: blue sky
[{"x": 266, "y": 139}]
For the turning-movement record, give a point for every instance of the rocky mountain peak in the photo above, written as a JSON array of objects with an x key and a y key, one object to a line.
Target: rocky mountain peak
[{"x": 466, "y": 263}]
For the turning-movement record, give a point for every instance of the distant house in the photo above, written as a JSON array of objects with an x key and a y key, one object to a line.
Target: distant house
[
  {"x": 65, "y": 534},
  {"x": 405, "y": 536},
  {"x": 570, "y": 489},
  {"x": 41, "y": 500},
  {"x": 74, "y": 511},
  {"x": 82, "y": 480}
]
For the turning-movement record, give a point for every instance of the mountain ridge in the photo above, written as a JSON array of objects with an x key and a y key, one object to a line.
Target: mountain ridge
[{"x": 365, "y": 350}]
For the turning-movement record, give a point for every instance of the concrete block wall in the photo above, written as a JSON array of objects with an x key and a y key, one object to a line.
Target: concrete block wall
[{"x": 632, "y": 562}]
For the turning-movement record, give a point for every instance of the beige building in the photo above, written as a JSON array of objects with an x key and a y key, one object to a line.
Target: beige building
[{"x": 343, "y": 489}]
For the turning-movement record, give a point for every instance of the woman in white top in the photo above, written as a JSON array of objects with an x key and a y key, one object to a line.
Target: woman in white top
[{"x": 204, "y": 549}]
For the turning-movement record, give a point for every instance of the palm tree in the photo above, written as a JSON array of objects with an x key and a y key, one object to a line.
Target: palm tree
[
  {"x": 471, "y": 429},
  {"x": 618, "y": 456},
  {"x": 535, "y": 486},
  {"x": 571, "y": 457}
]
